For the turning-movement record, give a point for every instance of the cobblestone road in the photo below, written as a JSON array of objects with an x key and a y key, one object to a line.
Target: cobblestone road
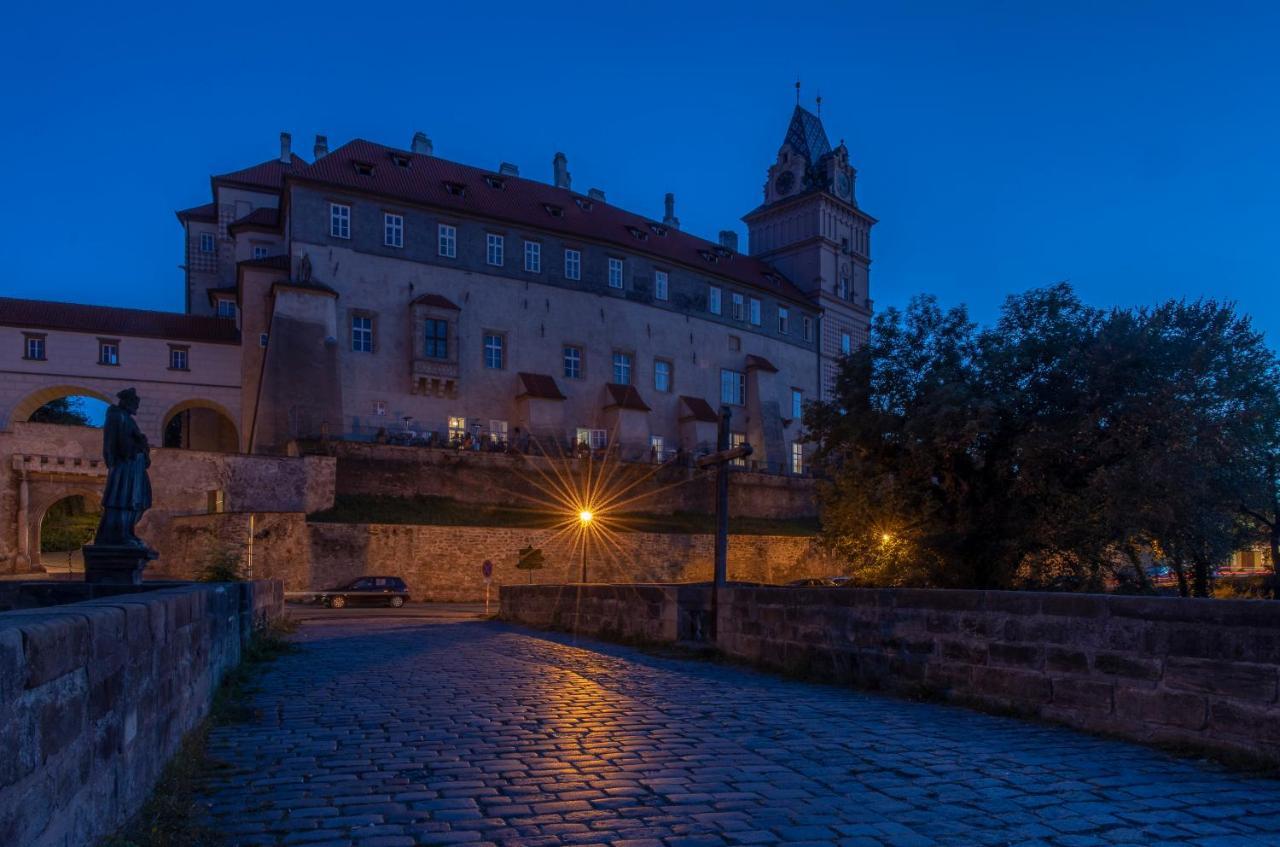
[{"x": 382, "y": 734}]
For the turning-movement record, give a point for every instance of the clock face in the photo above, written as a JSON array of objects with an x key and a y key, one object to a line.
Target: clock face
[
  {"x": 785, "y": 182},
  {"x": 842, "y": 185}
]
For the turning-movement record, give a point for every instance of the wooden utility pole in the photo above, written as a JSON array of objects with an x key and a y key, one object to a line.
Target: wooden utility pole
[{"x": 720, "y": 461}]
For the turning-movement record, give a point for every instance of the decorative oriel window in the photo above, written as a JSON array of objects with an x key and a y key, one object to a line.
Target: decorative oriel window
[{"x": 435, "y": 332}]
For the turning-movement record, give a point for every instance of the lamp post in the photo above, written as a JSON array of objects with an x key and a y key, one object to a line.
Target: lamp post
[{"x": 584, "y": 521}]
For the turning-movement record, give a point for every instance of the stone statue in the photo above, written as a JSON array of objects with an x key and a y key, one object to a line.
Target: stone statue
[{"x": 128, "y": 492}]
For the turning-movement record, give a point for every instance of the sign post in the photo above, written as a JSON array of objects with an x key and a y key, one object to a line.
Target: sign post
[
  {"x": 720, "y": 460},
  {"x": 487, "y": 570}
]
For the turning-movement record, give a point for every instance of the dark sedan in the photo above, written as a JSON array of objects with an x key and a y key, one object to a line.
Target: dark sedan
[{"x": 367, "y": 591}]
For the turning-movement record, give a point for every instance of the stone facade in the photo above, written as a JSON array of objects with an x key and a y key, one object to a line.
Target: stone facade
[
  {"x": 96, "y": 697},
  {"x": 442, "y": 563},
  {"x": 1191, "y": 673}
]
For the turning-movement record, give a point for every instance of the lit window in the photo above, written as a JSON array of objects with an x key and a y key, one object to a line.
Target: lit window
[
  {"x": 362, "y": 334},
  {"x": 797, "y": 403},
  {"x": 622, "y": 368},
  {"x": 713, "y": 300},
  {"x": 806, "y": 326},
  {"x": 596, "y": 439},
  {"x": 573, "y": 362},
  {"x": 657, "y": 448},
  {"x": 784, "y": 320},
  {"x": 339, "y": 220},
  {"x": 259, "y": 251},
  {"x": 660, "y": 285},
  {"x": 393, "y": 230},
  {"x": 448, "y": 241},
  {"x": 737, "y": 439},
  {"x": 34, "y": 347},
  {"x": 661, "y": 375},
  {"x": 206, "y": 242},
  {"x": 797, "y": 458},
  {"x": 178, "y": 358},
  {"x": 457, "y": 429},
  {"x": 733, "y": 387},
  {"x": 739, "y": 308},
  {"x": 498, "y": 431},
  {"x": 846, "y": 343},
  {"x": 533, "y": 257},
  {"x": 493, "y": 352},
  {"x": 108, "y": 352},
  {"x": 226, "y": 308},
  {"x": 755, "y": 311},
  {"x": 615, "y": 273},
  {"x": 493, "y": 249},
  {"x": 436, "y": 333},
  {"x": 572, "y": 264}
]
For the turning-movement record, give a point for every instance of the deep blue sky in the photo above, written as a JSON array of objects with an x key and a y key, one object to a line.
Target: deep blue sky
[{"x": 1133, "y": 148}]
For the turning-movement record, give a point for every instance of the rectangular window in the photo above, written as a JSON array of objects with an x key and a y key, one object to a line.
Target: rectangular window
[
  {"x": 713, "y": 300},
  {"x": 622, "y": 368},
  {"x": 493, "y": 351},
  {"x": 436, "y": 333},
  {"x": 797, "y": 458},
  {"x": 737, "y": 439},
  {"x": 108, "y": 351},
  {"x": 206, "y": 242},
  {"x": 572, "y": 362},
  {"x": 784, "y": 320},
  {"x": 339, "y": 220},
  {"x": 393, "y": 230},
  {"x": 657, "y": 448},
  {"x": 178, "y": 358},
  {"x": 262, "y": 339},
  {"x": 498, "y": 431},
  {"x": 448, "y": 241},
  {"x": 572, "y": 264},
  {"x": 733, "y": 387},
  {"x": 533, "y": 257},
  {"x": 362, "y": 334},
  {"x": 755, "y": 312},
  {"x": 662, "y": 376},
  {"x": 660, "y": 285},
  {"x": 457, "y": 429},
  {"x": 226, "y": 308},
  {"x": 33, "y": 347},
  {"x": 596, "y": 439},
  {"x": 797, "y": 404},
  {"x": 259, "y": 251},
  {"x": 846, "y": 343},
  {"x": 615, "y": 273},
  {"x": 739, "y": 308},
  {"x": 493, "y": 249},
  {"x": 379, "y": 408},
  {"x": 806, "y": 325}
]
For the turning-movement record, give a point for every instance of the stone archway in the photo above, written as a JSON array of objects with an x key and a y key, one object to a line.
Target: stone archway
[
  {"x": 200, "y": 424},
  {"x": 24, "y": 408},
  {"x": 49, "y": 495},
  {"x": 43, "y": 481}
]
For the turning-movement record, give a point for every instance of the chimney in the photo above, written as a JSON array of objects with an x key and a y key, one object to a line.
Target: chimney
[
  {"x": 285, "y": 140},
  {"x": 729, "y": 240},
  {"x": 596, "y": 194},
  {"x": 508, "y": 169},
  {"x": 560, "y": 169},
  {"x": 322, "y": 147},
  {"x": 670, "y": 219},
  {"x": 421, "y": 144}
]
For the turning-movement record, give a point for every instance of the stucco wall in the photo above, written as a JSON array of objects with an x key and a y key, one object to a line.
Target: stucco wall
[
  {"x": 96, "y": 697},
  {"x": 442, "y": 563}
]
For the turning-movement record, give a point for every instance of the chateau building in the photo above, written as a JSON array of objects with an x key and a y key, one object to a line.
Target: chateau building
[{"x": 377, "y": 290}]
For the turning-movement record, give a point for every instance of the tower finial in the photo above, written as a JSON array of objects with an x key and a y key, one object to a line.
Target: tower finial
[{"x": 797, "y": 90}]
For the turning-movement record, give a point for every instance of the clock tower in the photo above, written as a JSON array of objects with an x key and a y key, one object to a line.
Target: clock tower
[{"x": 811, "y": 229}]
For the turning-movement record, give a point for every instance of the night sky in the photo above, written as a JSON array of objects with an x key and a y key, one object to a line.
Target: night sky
[{"x": 1132, "y": 148}]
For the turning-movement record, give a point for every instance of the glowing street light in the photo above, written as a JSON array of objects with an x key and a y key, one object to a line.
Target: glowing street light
[
  {"x": 885, "y": 538},
  {"x": 584, "y": 517},
  {"x": 584, "y": 521}
]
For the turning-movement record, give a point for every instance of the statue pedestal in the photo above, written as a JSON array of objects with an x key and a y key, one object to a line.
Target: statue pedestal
[{"x": 116, "y": 564}]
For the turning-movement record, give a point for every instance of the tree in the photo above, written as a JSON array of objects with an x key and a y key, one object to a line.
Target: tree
[
  {"x": 67, "y": 411},
  {"x": 530, "y": 559},
  {"x": 1059, "y": 448}
]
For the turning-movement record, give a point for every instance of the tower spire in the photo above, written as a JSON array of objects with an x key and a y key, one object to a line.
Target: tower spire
[{"x": 797, "y": 90}]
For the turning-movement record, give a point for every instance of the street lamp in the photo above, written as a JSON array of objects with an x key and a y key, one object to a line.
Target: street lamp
[{"x": 584, "y": 522}]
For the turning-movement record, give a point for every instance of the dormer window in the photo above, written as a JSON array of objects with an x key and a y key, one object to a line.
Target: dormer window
[
  {"x": 495, "y": 181},
  {"x": 584, "y": 203},
  {"x": 638, "y": 233},
  {"x": 457, "y": 189},
  {"x": 554, "y": 210},
  {"x": 363, "y": 168},
  {"x": 658, "y": 230},
  {"x": 708, "y": 256},
  {"x": 401, "y": 160}
]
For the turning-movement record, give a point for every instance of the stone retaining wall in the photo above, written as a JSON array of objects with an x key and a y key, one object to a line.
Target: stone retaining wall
[
  {"x": 96, "y": 697},
  {"x": 1196, "y": 673}
]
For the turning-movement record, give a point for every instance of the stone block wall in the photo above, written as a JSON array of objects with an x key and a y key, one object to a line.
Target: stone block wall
[
  {"x": 1202, "y": 674},
  {"x": 96, "y": 697},
  {"x": 623, "y": 612},
  {"x": 443, "y": 563}
]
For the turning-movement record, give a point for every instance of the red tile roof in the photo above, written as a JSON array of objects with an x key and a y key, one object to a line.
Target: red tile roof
[
  {"x": 626, "y": 397},
  {"x": 76, "y": 317},
  {"x": 437, "y": 300},
  {"x": 529, "y": 203},
  {"x": 208, "y": 213},
  {"x": 539, "y": 386},
  {"x": 258, "y": 219},
  {"x": 699, "y": 410},
  {"x": 760, "y": 363},
  {"x": 266, "y": 175}
]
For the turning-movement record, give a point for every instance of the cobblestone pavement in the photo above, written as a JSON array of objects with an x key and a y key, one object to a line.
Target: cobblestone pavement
[{"x": 382, "y": 734}]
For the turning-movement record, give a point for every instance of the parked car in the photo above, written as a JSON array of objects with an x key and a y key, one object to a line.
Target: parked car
[
  {"x": 819, "y": 582},
  {"x": 367, "y": 591}
]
